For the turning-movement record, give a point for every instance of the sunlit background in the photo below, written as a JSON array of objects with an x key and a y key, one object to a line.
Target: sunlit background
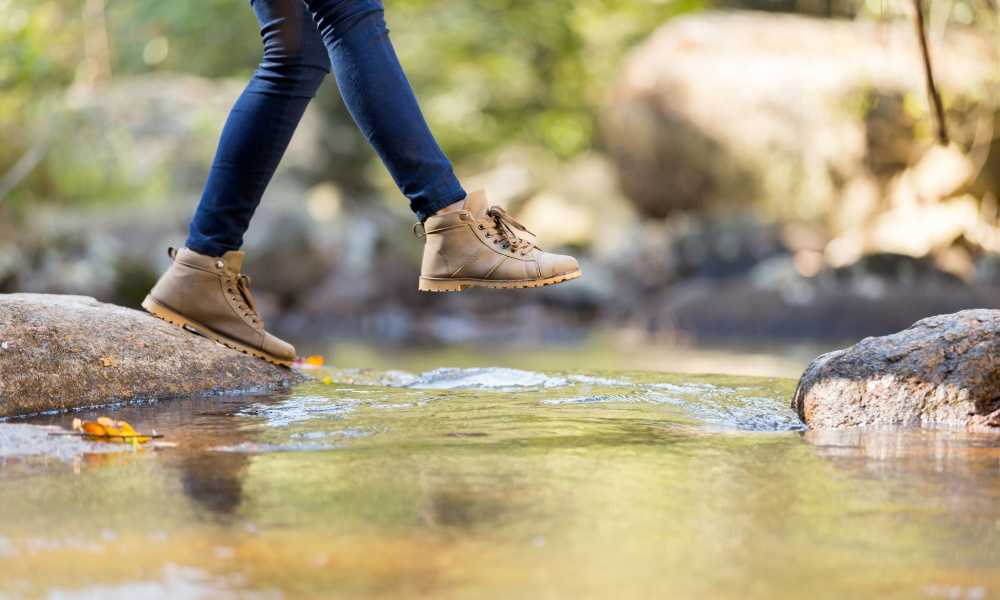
[{"x": 747, "y": 183}]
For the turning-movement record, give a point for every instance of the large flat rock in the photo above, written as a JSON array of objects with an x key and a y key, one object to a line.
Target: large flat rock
[
  {"x": 63, "y": 352},
  {"x": 941, "y": 371},
  {"x": 707, "y": 108}
]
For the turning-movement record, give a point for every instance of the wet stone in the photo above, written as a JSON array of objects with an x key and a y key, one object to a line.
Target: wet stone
[
  {"x": 66, "y": 352},
  {"x": 942, "y": 371}
]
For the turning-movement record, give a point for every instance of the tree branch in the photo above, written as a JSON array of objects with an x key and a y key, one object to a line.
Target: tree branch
[
  {"x": 935, "y": 97},
  {"x": 23, "y": 167}
]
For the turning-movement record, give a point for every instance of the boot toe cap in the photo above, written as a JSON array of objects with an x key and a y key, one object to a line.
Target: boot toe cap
[
  {"x": 553, "y": 265},
  {"x": 278, "y": 348}
]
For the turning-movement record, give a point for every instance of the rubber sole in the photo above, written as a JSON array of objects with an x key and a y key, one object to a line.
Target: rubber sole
[
  {"x": 430, "y": 284},
  {"x": 162, "y": 312}
]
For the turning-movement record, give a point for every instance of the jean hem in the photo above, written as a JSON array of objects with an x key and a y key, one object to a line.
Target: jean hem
[
  {"x": 428, "y": 210},
  {"x": 213, "y": 250}
]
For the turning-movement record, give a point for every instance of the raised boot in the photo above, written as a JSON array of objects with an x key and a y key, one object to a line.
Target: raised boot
[
  {"x": 483, "y": 246},
  {"x": 209, "y": 295}
]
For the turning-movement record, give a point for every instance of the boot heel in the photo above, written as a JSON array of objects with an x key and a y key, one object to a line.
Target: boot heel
[
  {"x": 439, "y": 285},
  {"x": 158, "y": 310}
]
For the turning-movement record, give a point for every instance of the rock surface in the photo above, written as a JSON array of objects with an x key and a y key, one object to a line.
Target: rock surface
[
  {"x": 63, "y": 352},
  {"x": 942, "y": 371},
  {"x": 717, "y": 110}
]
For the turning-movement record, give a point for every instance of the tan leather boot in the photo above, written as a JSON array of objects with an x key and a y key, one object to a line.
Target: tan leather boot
[
  {"x": 210, "y": 296},
  {"x": 483, "y": 246}
]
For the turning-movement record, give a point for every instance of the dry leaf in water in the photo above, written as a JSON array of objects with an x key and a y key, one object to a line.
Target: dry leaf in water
[{"x": 109, "y": 430}]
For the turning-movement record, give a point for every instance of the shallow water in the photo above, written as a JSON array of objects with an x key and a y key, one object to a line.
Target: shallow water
[{"x": 499, "y": 483}]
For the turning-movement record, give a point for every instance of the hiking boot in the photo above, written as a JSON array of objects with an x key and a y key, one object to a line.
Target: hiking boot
[
  {"x": 483, "y": 246},
  {"x": 209, "y": 295}
]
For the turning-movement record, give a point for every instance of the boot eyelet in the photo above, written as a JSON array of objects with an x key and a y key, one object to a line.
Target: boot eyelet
[{"x": 481, "y": 227}]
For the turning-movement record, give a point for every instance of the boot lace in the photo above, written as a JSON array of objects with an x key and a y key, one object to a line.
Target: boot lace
[
  {"x": 504, "y": 228},
  {"x": 239, "y": 291}
]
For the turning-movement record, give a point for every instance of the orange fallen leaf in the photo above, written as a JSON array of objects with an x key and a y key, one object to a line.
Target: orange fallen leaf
[
  {"x": 106, "y": 429},
  {"x": 315, "y": 360},
  {"x": 107, "y": 361},
  {"x": 111, "y": 428},
  {"x": 94, "y": 429}
]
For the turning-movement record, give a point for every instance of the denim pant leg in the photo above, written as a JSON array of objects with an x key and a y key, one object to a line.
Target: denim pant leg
[
  {"x": 260, "y": 125},
  {"x": 299, "y": 46},
  {"x": 379, "y": 98}
]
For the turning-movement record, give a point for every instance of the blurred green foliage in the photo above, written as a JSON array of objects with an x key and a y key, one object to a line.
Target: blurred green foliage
[
  {"x": 495, "y": 71},
  {"x": 489, "y": 73}
]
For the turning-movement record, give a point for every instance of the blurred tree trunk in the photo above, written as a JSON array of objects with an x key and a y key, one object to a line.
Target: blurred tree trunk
[{"x": 96, "y": 66}]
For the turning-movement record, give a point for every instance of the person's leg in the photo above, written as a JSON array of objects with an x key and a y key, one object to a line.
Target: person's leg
[
  {"x": 204, "y": 289},
  {"x": 469, "y": 243},
  {"x": 380, "y": 100},
  {"x": 260, "y": 125}
]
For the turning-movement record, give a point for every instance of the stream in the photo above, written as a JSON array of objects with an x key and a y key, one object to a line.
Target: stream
[{"x": 497, "y": 483}]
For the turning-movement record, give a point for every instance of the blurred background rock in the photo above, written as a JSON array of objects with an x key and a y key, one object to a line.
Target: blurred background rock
[{"x": 731, "y": 173}]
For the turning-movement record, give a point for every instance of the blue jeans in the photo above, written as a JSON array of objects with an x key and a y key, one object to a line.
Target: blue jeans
[{"x": 302, "y": 39}]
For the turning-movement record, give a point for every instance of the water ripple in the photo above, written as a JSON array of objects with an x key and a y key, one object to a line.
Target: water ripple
[
  {"x": 302, "y": 408},
  {"x": 484, "y": 378},
  {"x": 598, "y": 399},
  {"x": 270, "y": 448}
]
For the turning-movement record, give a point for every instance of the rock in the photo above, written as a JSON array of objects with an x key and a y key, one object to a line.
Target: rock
[
  {"x": 941, "y": 371},
  {"x": 579, "y": 205},
  {"x": 114, "y": 255},
  {"x": 63, "y": 352},
  {"x": 717, "y": 110},
  {"x": 174, "y": 118},
  {"x": 888, "y": 268},
  {"x": 724, "y": 248},
  {"x": 277, "y": 241}
]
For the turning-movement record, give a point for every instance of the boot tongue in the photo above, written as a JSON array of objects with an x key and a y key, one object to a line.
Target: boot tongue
[
  {"x": 234, "y": 260},
  {"x": 476, "y": 204}
]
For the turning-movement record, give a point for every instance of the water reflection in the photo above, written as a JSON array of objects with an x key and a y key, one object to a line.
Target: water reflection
[
  {"x": 214, "y": 481},
  {"x": 450, "y": 502},
  {"x": 901, "y": 452}
]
